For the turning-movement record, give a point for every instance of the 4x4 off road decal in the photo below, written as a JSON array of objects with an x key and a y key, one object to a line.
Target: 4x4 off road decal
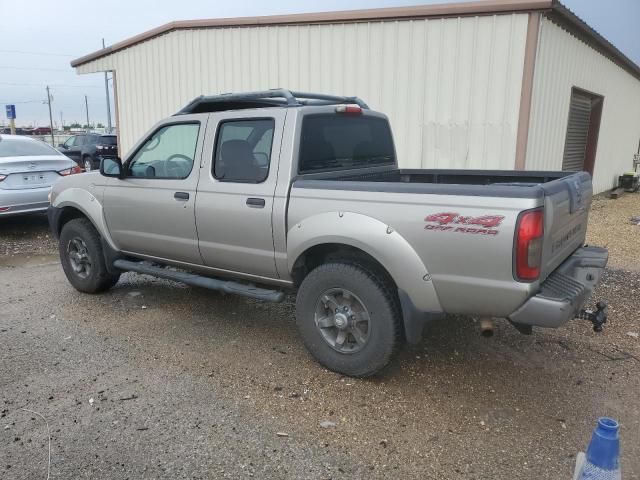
[{"x": 454, "y": 222}]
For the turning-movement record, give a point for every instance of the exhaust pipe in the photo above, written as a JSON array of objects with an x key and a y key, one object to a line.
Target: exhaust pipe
[{"x": 486, "y": 326}]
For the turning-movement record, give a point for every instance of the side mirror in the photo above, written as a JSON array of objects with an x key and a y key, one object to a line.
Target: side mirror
[
  {"x": 62, "y": 145},
  {"x": 111, "y": 167}
]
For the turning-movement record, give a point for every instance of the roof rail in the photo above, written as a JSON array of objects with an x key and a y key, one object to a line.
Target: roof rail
[{"x": 261, "y": 99}]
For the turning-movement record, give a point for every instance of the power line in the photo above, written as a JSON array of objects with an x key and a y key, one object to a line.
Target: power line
[
  {"x": 41, "y": 85},
  {"x": 43, "y": 101},
  {"x": 8, "y": 67},
  {"x": 48, "y": 54},
  {"x": 19, "y": 102}
]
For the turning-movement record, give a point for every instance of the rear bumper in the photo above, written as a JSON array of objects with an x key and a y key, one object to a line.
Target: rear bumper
[
  {"x": 565, "y": 291},
  {"x": 28, "y": 200}
]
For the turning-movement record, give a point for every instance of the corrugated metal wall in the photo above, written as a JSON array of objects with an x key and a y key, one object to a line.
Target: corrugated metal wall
[
  {"x": 564, "y": 62},
  {"x": 451, "y": 87}
]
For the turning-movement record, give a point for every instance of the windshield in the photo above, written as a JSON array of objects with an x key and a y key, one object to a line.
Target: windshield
[
  {"x": 335, "y": 142},
  {"x": 18, "y": 147},
  {"x": 108, "y": 140}
]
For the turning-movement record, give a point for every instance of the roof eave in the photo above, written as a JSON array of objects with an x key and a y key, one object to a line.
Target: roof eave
[
  {"x": 486, "y": 7},
  {"x": 582, "y": 30},
  {"x": 552, "y": 8}
]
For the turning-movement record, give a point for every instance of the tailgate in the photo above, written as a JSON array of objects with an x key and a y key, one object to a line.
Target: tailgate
[{"x": 566, "y": 211}]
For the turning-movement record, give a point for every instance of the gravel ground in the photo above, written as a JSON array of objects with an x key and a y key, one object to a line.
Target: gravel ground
[
  {"x": 610, "y": 226},
  {"x": 156, "y": 380},
  {"x": 26, "y": 234}
]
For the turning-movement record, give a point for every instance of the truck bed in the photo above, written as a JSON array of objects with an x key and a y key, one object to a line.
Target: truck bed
[
  {"x": 407, "y": 201},
  {"x": 496, "y": 183}
]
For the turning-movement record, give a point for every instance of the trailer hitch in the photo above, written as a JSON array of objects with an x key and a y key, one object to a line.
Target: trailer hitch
[{"x": 598, "y": 317}]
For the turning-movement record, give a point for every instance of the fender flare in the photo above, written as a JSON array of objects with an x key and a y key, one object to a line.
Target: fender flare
[
  {"x": 88, "y": 204},
  {"x": 375, "y": 238}
]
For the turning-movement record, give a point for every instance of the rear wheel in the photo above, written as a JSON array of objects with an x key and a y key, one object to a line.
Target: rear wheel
[
  {"x": 348, "y": 318},
  {"x": 82, "y": 257},
  {"x": 87, "y": 164}
]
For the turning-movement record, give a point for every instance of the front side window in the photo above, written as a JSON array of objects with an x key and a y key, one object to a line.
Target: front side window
[
  {"x": 243, "y": 150},
  {"x": 168, "y": 153}
]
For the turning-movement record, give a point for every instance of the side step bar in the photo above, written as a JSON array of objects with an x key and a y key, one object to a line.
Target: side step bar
[{"x": 225, "y": 286}]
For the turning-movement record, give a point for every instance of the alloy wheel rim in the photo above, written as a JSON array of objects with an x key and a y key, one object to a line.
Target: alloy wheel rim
[
  {"x": 87, "y": 165},
  {"x": 79, "y": 257},
  {"x": 342, "y": 320}
]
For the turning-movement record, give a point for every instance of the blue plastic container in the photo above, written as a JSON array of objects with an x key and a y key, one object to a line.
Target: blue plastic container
[{"x": 603, "y": 454}]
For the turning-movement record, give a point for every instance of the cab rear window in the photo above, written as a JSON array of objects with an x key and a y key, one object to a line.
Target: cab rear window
[{"x": 340, "y": 142}]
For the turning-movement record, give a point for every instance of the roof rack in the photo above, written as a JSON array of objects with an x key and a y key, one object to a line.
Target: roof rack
[{"x": 277, "y": 97}]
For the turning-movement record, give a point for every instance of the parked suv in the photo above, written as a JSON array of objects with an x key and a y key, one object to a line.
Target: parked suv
[
  {"x": 89, "y": 149},
  {"x": 259, "y": 193}
]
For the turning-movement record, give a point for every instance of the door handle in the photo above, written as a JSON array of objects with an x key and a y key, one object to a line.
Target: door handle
[
  {"x": 255, "y": 202},
  {"x": 181, "y": 196}
]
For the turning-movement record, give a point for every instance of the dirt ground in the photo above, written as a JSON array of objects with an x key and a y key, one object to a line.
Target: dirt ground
[{"x": 157, "y": 380}]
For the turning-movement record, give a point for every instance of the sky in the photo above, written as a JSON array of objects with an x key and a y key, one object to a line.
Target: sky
[{"x": 41, "y": 37}]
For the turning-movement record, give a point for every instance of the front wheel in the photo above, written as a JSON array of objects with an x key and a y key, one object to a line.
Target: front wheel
[
  {"x": 82, "y": 257},
  {"x": 349, "y": 319},
  {"x": 88, "y": 164}
]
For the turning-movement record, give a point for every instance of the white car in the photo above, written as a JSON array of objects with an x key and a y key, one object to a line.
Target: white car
[{"x": 28, "y": 168}]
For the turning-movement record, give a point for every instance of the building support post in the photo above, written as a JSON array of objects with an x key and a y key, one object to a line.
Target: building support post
[{"x": 526, "y": 91}]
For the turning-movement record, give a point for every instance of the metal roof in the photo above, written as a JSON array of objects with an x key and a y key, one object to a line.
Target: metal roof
[{"x": 552, "y": 8}]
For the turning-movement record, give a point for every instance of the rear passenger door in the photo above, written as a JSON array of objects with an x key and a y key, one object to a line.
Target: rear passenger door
[{"x": 234, "y": 202}]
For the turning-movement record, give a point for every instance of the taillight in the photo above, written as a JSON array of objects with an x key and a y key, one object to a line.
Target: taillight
[
  {"x": 529, "y": 236},
  {"x": 353, "y": 109},
  {"x": 70, "y": 171}
]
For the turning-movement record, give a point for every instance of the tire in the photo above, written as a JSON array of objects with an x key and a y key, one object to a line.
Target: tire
[
  {"x": 82, "y": 257},
  {"x": 338, "y": 285},
  {"x": 87, "y": 164}
]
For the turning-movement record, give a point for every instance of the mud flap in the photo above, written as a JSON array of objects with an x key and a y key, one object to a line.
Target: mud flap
[{"x": 413, "y": 319}]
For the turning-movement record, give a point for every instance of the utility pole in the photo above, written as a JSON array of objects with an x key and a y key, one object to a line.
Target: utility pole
[
  {"x": 86, "y": 106},
  {"x": 53, "y": 141},
  {"x": 106, "y": 89}
]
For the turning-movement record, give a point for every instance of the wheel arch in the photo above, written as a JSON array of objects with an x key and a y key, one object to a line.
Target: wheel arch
[
  {"x": 76, "y": 203},
  {"x": 327, "y": 233},
  {"x": 322, "y": 253}
]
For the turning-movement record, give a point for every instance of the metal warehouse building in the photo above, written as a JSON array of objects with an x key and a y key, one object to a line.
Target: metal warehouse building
[{"x": 499, "y": 84}]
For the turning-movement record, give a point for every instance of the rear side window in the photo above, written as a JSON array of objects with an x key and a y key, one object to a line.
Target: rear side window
[
  {"x": 243, "y": 150},
  {"x": 338, "y": 142}
]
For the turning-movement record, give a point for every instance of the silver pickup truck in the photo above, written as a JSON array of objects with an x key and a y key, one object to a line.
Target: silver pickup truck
[{"x": 261, "y": 193}]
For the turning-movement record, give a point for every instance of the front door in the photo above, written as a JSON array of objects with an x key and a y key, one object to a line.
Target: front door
[
  {"x": 151, "y": 211},
  {"x": 236, "y": 190}
]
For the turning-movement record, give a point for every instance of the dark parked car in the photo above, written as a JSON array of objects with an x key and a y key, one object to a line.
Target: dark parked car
[{"x": 89, "y": 149}]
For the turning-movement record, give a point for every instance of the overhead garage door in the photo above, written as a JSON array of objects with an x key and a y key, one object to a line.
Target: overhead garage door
[{"x": 575, "y": 146}]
